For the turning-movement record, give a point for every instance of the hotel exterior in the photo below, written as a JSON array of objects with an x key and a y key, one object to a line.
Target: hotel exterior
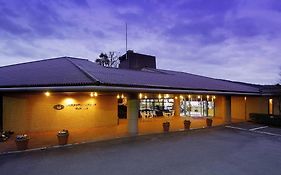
[{"x": 72, "y": 93}]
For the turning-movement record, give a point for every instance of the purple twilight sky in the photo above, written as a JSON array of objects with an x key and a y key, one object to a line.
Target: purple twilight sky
[{"x": 231, "y": 39}]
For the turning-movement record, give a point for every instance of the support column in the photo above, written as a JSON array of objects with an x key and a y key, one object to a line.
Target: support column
[
  {"x": 1, "y": 114},
  {"x": 177, "y": 106},
  {"x": 227, "y": 115},
  {"x": 133, "y": 113}
]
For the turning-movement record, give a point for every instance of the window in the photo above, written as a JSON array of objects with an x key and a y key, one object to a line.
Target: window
[
  {"x": 197, "y": 108},
  {"x": 270, "y": 106},
  {"x": 156, "y": 104}
]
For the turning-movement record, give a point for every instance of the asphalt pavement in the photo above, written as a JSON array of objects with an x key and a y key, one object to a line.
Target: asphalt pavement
[{"x": 211, "y": 151}]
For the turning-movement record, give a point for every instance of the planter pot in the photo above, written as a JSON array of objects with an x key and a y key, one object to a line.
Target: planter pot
[
  {"x": 186, "y": 124},
  {"x": 22, "y": 144},
  {"x": 209, "y": 122},
  {"x": 166, "y": 126},
  {"x": 63, "y": 139}
]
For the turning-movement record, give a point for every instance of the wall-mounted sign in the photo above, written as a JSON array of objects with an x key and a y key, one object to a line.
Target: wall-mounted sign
[
  {"x": 75, "y": 106},
  {"x": 58, "y": 107},
  {"x": 78, "y": 106}
]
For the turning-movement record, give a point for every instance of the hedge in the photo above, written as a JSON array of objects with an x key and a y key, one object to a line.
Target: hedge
[{"x": 274, "y": 120}]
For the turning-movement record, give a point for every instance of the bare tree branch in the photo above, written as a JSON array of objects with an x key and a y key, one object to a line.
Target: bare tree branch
[{"x": 108, "y": 60}]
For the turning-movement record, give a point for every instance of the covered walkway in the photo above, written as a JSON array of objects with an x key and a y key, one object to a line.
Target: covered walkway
[{"x": 48, "y": 138}]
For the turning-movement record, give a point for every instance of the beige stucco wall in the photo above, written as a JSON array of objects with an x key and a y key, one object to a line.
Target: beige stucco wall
[
  {"x": 220, "y": 106},
  {"x": 238, "y": 108},
  {"x": 35, "y": 112},
  {"x": 276, "y": 106},
  {"x": 257, "y": 105}
]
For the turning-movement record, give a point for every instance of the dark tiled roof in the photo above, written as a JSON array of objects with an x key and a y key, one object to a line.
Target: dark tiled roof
[
  {"x": 73, "y": 71},
  {"x": 271, "y": 89},
  {"x": 57, "y": 71}
]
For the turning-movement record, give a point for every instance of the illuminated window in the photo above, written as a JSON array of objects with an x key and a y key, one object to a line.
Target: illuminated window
[{"x": 270, "y": 106}]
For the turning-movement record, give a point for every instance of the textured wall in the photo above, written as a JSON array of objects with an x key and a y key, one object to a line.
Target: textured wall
[
  {"x": 35, "y": 112},
  {"x": 238, "y": 107}
]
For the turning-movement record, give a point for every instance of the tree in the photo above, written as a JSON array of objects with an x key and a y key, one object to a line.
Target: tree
[{"x": 108, "y": 60}]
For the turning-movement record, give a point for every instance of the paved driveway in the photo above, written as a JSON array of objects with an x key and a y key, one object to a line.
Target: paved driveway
[{"x": 208, "y": 151}]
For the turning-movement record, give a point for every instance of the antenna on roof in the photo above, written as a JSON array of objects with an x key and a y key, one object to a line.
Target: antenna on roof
[{"x": 126, "y": 43}]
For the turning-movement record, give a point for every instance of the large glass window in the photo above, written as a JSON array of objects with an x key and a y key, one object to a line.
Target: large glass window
[
  {"x": 156, "y": 104},
  {"x": 197, "y": 108}
]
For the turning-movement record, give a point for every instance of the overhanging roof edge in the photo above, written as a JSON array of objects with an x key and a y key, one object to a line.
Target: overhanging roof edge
[{"x": 118, "y": 89}]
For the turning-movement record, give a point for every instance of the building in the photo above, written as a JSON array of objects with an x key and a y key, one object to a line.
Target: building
[{"x": 75, "y": 93}]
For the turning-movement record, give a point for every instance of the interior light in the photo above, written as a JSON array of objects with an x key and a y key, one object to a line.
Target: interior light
[
  {"x": 198, "y": 96},
  {"x": 159, "y": 96},
  {"x": 181, "y": 96},
  {"x": 145, "y": 97},
  {"x": 91, "y": 94},
  {"x": 140, "y": 95},
  {"x": 47, "y": 94},
  {"x": 270, "y": 100},
  {"x": 176, "y": 97},
  {"x": 189, "y": 96},
  {"x": 95, "y": 94},
  {"x": 118, "y": 96},
  {"x": 122, "y": 96},
  {"x": 208, "y": 96},
  {"x": 245, "y": 98}
]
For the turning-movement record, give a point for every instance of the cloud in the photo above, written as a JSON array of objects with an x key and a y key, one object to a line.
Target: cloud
[{"x": 235, "y": 39}]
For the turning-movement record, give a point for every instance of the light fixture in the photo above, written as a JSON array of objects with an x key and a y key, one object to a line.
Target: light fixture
[
  {"x": 208, "y": 96},
  {"x": 93, "y": 94},
  {"x": 118, "y": 96},
  {"x": 245, "y": 98},
  {"x": 198, "y": 96},
  {"x": 122, "y": 96},
  {"x": 176, "y": 97},
  {"x": 270, "y": 100},
  {"x": 47, "y": 94},
  {"x": 214, "y": 97},
  {"x": 159, "y": 96},
  {"x": 166, "y": 96},
  {"x": 181, "y": 96},
  {"x": 140, "y": 95},
  {"x": 145, "y": 97},
  {"x": 189, "y": 96}
]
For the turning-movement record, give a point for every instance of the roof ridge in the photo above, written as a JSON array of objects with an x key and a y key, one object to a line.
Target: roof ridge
[
  {"x": 84, "y": 71},
  {"x": 41, "y": 60}
]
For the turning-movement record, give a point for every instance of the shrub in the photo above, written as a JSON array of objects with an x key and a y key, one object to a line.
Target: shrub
[{"x": 274, "y": 120}]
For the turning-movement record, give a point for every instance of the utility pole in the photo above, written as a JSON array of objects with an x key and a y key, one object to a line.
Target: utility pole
[{"x": 126, "y": 42}]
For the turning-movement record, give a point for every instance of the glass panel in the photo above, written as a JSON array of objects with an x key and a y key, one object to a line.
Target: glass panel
[
  {"x": 197, "y": 108},
  {"x": 157, "y": 105}
]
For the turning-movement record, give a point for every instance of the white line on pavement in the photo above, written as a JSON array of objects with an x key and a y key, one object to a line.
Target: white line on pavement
[
  {"x": 233, "y": 127},
  {"x": 262, "y": 127},
  {"x": 254, "y": 130},
  {"x": 267, "y": 133}
]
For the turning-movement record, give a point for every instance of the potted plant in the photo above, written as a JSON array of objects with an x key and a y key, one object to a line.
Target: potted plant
[
  {"x": 187, "y": 123},
  {"x": 22, "y": 141},
  {"x": 209, "y": 121},
  {"x": 166, "y": 126},
  {"x": 63, "y": 137}
]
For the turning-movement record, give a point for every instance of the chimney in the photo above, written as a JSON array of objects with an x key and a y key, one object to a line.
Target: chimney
[{"x": 137, "y": 61}]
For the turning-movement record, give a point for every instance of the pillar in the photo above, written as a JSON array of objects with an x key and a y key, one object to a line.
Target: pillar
[
  {"x": 1, "y": 113},
  {"x": 177, "y": 107},
  {"x": 133, "y": 113},
  {"x": 227, "y": 116}
]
